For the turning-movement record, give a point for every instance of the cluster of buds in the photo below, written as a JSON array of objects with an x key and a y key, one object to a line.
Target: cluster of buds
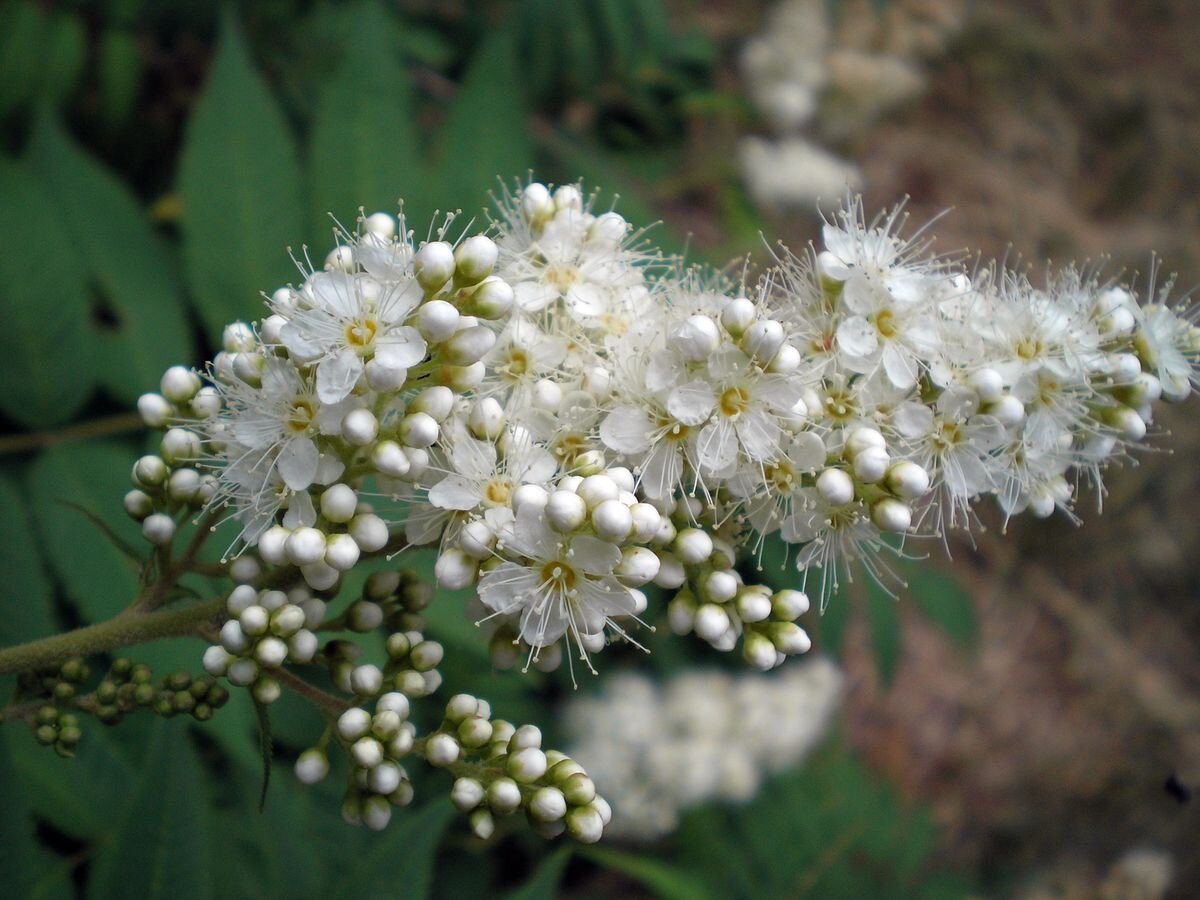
[{"x": 504, "y": 769}]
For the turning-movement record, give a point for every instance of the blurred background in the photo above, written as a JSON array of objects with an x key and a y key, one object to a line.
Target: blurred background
[{"x": 1024, "y": 722}]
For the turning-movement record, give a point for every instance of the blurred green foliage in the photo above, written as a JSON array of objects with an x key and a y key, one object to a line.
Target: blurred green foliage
[{"x": 156, "y": 160}]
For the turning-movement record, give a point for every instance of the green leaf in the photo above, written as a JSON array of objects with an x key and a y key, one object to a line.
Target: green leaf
[
  {"x": 45, "y": 342},
  {"x": 19, "y": 851},
  {"x": 543, "y": 884},
  {"x": 96, "y": 575},
  {"x": 945, "y": 603},
  {"x": 266, "y": 749},
  {"x": 127, "y": 264},
  {"x": 22, "y": 28},
  {"x": 63, "y": 56},
  {"x": 486, "y": 135},
  {"x": 119, "y": 74},
  {"x": 886, "y": 637},
  {"x": 399, "y": 862},
  {"x": 159, "y": 848},
  {"x": 666, "y": 881},
  {"x": 27, "y": 597},
  {"x": 239, "y": 181},
  {"x": 363, "y": 152}
]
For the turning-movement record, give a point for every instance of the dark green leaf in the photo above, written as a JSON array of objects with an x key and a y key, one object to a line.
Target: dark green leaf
[
  {"x": 363, "y": 151},
  {"x": 886, "y": 637},
  {"x": 45, "y": 343},
  {"x": 96, "y": 575},
  {"x": 63, "y": 56},
  {"x": 239, "y": 181},
  {"x": 486, "y": 135},
  {"x": 265, "y": 748},
  {"x": 159, "y": 847},
  {"x": 127, "y": 264},
  {"x": 665, "y": 880},
  {"x": 399, "y": 861},
  {"x": 543, "y": 884},
  {"x": 119, "y": 74},
  {"x": 945, "y": 603},
  {"x": 22, "y": 28},
  {"x": 19, "y": 853},
  {"x": 27, "y": 596}
]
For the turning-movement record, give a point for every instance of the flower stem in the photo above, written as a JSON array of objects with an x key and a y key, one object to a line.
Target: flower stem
[{"x": 130, "y": 627}]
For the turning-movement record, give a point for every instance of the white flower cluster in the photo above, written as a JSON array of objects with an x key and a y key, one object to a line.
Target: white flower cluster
[{"x": 656, "y": 750}]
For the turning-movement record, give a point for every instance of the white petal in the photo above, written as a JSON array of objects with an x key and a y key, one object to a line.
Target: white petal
[
  {"x": 626, "y": 429},
  {"x": 593, "y": 556},
  {"x": 691, "y": 403},
  {"x": 857, "y": 337},
  {"x": 298, "y": 463},
  {"x": 507, "y": 587},
  {"x": 913, "y": 420},
  {"x": 337, "y": 375},
  {"x": 400, "y": 348},
  {"x": 900, "y": 366},
  {"x": 533, "y": 296},
  {"x": 454, "y": 492},
  {"x": 807, "y": 451},
  {"x": 716, "y": 447},
  {"x": 587, "y": 301},
  {"x": 758, "y": 433},
  {"x": 661, "y": 471}
]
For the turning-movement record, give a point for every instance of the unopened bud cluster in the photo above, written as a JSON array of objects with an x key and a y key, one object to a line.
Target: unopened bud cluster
[{"x": 658, "y": 749}]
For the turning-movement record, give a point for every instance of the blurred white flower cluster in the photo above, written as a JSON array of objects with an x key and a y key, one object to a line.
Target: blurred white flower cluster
[
  {"x": 574, "y": 421},
  {"x": 817, "y": 80},
  {"x": 657, "y": 750}
]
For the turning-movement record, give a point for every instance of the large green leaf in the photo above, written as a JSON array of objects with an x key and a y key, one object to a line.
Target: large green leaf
[
  {"x": 97, "y": 576},
  {"x": 946, "y": 604},
  {"x": 884, "y": 623},
  {"x": 27, "y": 596},
  {"x": 486, "y": 135},
  {"x": 128, "y": 265},
  {"x": 45, "y": 342},
  {"x": 19, "y": 853},
  {"x": 160, "y": 846},
  {"x": 665, "y": 880},
  {"x": 63, "y": 55},
  {"x": 22, "y": 30},
  {"x": 399, "y": 862},
  {"x": 543, "y": 884},
  {"x": 363, "y": 151},
  {"x": 239, "y": 181}
]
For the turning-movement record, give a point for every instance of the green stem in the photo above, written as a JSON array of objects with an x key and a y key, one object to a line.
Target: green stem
[{"x": 130, "y": 627}]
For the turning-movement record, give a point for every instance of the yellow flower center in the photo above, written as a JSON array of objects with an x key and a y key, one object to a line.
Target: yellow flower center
[
  {"x": 734, "y": 401},
  {"x": 360, "y": 334},
  {"x": 557, "y": 574},
  {"x": 301, "y": 416},
  {"x": 496, "y": 492}
]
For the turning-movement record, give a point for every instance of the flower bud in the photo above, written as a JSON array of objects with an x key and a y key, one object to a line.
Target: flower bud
[
  {"x": 437, "y": 320},
  {"x": 492, "y": 299},
  {"x": 907, "y": 480},
  {"x": 763, "y": 339},
  {"x": 360, "y": 427},
  {"x": 584, "y": 824},
  {"x": 419, "y": 430},
  {"x": 138, "y": 504},
  {"x": 454, "y": 569},
  {"x": 692, "y": 546},
  {"x": 1008, "y": 410},
  {"x": 711, "y": 622},
  {"x": 988, "y": 384},
  {"x": 486, "y": 418},
  {"x": 367, "y": 681},
  {"x": 789, "y": 638},
  {"x": 442, "y": 750},
  {"x": 216, "y": 661},
  {"x": 695, "y": 339},
  {"x": 475, "y": 258},
  {"x": 271, "y": 652},
  {"x": 369, "y": 531},
  {"x": 158, "y": 529},
  {"x": 341, "y": 552},
  {"x": 434, "y": 264},
  {"x": 536, "y": 202},
  {"x": 565, "y": 511},
  {"x": 504, "y": 796},
  {"x": 547, "y": 805},
  {"x": 305, "y": 545},
  {"x": 835, "y": 487},
  {"x": 302, "y": 646},
  {"x": 737, "y": 316},
  {"x": 338, "y": 503},
  {"x": 788, "y": 604},
  {"x": 526, "y": 765},
  {"x": 891, "y": 515},
  {"x": 871, "y": 464},
  {"x": 154, "y": 409},
  {"x": 466, "y": 794},
  {"x": 753, "y": 605}
]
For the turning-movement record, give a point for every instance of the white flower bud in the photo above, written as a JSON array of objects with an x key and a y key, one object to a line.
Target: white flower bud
[
  {"x": 529, "y": 494},
  {"x": 753, "y": 606},
  {"x": 341, "y": 552},
  {"x": 394, "y": 701},
  {"x": 437, "y": 320},
  {"x": 738, "y": 315},
  {"x": 692, "y": 546},
  {"x": 271, "y": 652},
  {"x": 254, "y": 620},
  {"x": 638, "y": 566},
  {"x": 367, "y": 680},
  {"x": 383, "y": 379},
  {"x": 419, "y": 430},
  {"x": 584, "y": 824},
  {"x": 568, "y": 196},
  {"x": 247, "y": 367},
  {"x": 565, "y": 511},
  {"x": 526, "y": 765},
  {"x": 340, "y": 259},
  {"x": 908, "y": 480},
  {"x": 1128, "y": 424},
  {"x": 597, "y": 382},
  {"x": 233, "y": 638},
  {"x": 504, "y": 795},
  {"x": 835, "y": 487},
  {"x": 696, "y": 338},
  {"x": 319, "y": 576},
  {"x": 891, "y": 515},
  {"x": 154, "y": 409},
  {"x": 475, "y": 258},
  {"x": 763, "y": 339},
  {"x": 436, "y": 402},
  {"x": 158, "y": 529},
  {"x": 671, "y": 574},
  {"x": 790, "y": 638},
  {"x": 302, "y": 646},
  {"x": 216, "y": 661},
  {"x": 486, "y": 418},
  {"x": 354, "y": 723},
  {"x": 179, "y": 384},
  {"x": 492, "y": 299},
  {"x": 758, "y": 651},
  {"x": 608, "y": 228},
  {"x": 376, "y": 812},
  {"x": 547, "y": 805},
  {"x": 788, "y": 604},
  {"x": 466, "y": 794},
  {"x": 861, "y": 439},
  {"x": 338, "y": 503},
  {"x": 871, "y": 464},
  {"x": 245, "y": 569},
  {"x": 463, "y": 378},
  {"x": 242, "y": 672},
  {"x": 468, "y": 346},
  {"x": 719, "y": 586},
  {"x": 597, "y": 489},
  {"x": 271, "y": 330},
  {"x": 138, "y": 504},
  {"x": 305, "y": 545},
  {"x": 988, "y": 384},
  {"x": 786, "y": 361},
  {"x": 272, "y": 545},
  {"x": 381, "y": 225},
  {"x": 536, "y": 202},
  {"x": 206, "y": 403},
  {"x": 360, "y": 427},
  {"x": 546, "y": 395},
  {"x": 369, "y": 531},
  {"x": 1009, "y": 410},
  {"x": 612, "y": 521},
  {"x": 477, "y": 539},
  {"x": 454, "y": 569},
  {"x": 312, "y": 766},
  {"x": 385, "y": 777},
  {"x": 711, "y": 622},
  {"x": 433, "y": 264},
  {"x": 441, "y": 750},
  {"x": 1125, "y": 368},
  {"x": 179, "y": 446},
  {"x": 389, "y": 459}
]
